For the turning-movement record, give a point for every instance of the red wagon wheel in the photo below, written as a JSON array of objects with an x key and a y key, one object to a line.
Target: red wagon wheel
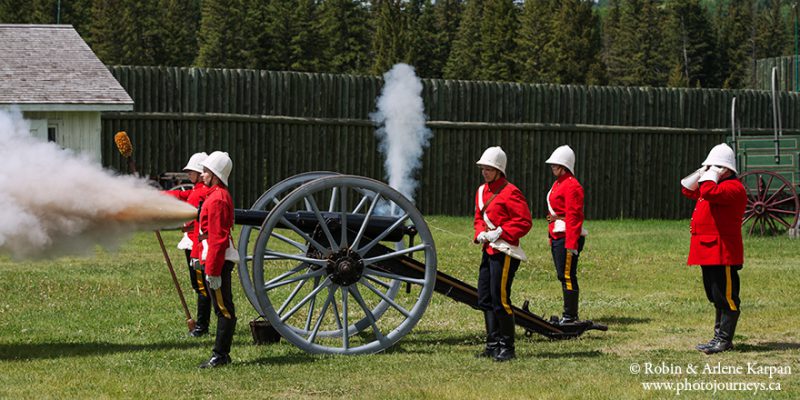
[{"x": 772, "y": 203}]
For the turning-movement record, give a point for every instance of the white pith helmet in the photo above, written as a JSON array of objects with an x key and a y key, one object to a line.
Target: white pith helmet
[
  {"x": 194, "y": 162},
  {"x": 563, "y": 156},
  {"x": 220, "y": 164},
  {"x": 722, "y": 155},
  {"x": 494, "y": 157}
]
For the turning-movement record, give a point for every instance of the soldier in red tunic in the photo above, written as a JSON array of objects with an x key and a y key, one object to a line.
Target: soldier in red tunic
[
  {"x": 219, "y": 255},
  {"x": 191, "y": 245},
  {"x": 716, "y": 243},
  {"x": 502, "y": 217},
  {"x": 565, "y": 227}
]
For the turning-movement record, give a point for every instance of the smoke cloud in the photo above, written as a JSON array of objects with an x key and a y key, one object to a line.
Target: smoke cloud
[
  {"x": 402, "y": 134},
  {"x": 54, "y": 202}
]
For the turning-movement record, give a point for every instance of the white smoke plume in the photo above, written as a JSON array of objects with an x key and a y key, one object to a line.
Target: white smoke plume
[
  {"x": 54, "y": 202},
  {"x": 402, "y": 134}
]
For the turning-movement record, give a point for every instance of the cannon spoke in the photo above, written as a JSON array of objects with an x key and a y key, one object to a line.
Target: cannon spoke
[
  {"x": 292, "y": 271},
  {"x": 781, "y": 211},
  {"x": 346, "y": 324},
  {"x": 311, "y": 305},
  {"x": 360, "y": 204},
  {"x": 343, "y": 217},
  {"x": 297, "y": 257},
  {"x": 322, "y": 223},
  {"x": 779, "y": 219},
  {"x": 373, "y": 260},
  {"x": 312, "y": 274},
  {"x": 322, "y": 312},
  {"x": 786, "y": 200},
  {"x": 360, "y": 300},
  {"x": 378, "y": 281},
  {"x": 332, "y": 204},
  {"x": 364, "y": 223},
  {"x": 370, "y": 271},
  {"x": 292, "y": 295},
  {"x": 305, "y": 300},
  {"x": 362, "y": 251},
  {"x": 385, "y": 298},
  {"x": 294, "y": 243},
  {"x": 304, "y": 235},
  {"x": 332, "y": 292}
]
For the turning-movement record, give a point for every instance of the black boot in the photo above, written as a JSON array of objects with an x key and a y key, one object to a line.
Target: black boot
[
  {"x": 703, "y": 346},
  {"x": 727, "y": 328},
  {"x": 490, "y": 321},
  {"x": 505, "y": 350},
  {"x": 203, "y": 316},
  {"x": 570, "y": 307},
  {"x": 216, "y": 360}
]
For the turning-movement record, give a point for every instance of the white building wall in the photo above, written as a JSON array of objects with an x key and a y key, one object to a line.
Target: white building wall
[{"x": 79, "y": 131}]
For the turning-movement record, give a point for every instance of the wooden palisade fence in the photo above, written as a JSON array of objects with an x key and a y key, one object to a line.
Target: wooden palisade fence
[{"x": 633, "y": 144}]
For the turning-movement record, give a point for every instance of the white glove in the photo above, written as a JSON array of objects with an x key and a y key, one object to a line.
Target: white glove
[
  {"x": 493, "y": 235},
  {"x": 712, "y": 174},
  {"x": 690, "y": 181},
  {"x": 196, "y": 264},
  {"x": 573, "y": 251},
  {"x": 481, "y": 238},
  {"x": 214, "y": 282}
]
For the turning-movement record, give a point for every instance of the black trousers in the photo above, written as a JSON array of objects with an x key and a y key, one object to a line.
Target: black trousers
[
  {"x": 566, "y": 263},
  {"x": 198, "y": 280},
  {"x": 721, "y": 283},
  {"x": 225, "y": 310},
  {"x": 495, "y": 276}
]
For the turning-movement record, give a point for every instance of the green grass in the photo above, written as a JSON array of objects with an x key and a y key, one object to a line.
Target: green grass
[{"x": 111, "y": 326}]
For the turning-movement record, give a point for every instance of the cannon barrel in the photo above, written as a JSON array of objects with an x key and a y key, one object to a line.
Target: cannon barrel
[{"x": 308, "y": 223}]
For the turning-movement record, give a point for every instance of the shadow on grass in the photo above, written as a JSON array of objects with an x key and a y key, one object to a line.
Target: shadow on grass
[
  {"x": 621, "y": 320},
  {"x": 767, "y": 346},
  {"x": 573, "y": 354},
  {"x": 284, "y": 359},
  {"x": 43, "y": 351}
]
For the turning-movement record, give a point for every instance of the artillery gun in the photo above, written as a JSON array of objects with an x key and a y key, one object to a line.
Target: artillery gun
[{"x": 342, "y": 264}]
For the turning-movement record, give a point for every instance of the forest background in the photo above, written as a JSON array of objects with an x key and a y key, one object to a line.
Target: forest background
[{"x": 675, "y": 43}]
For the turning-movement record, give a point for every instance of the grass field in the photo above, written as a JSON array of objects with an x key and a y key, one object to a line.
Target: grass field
[{"x": 111, "y": 326}]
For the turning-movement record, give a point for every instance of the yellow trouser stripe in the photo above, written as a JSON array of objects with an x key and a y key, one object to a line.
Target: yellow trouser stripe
[
  {"x": 221, "y": 304},
  {"x": 567, "y": 267},
  {"x": 503, "y": 281},
  {"x": 200, "y": 284},
  {"x": 728, "y": 288}
]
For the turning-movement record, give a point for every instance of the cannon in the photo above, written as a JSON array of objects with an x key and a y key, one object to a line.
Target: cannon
[{"x": 342, "y": 264}]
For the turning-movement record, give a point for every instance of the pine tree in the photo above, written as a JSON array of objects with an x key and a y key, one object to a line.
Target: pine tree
[
  {"x": 612, "y": 48},
  {"x": 535, "y": 56},
  {"x": 447, "y": 16},
  {"x": 390, "y": 35},
  {"x": 305, "y": 47},
  {"x": 576, "y": 44},
  {"x": 218, "y": 35},
  {"x": 105, "y": 32},
  {"x": 638, "y": 55},
  {"x": 691, "y": 41},
  {"x": 771, "y": 34},
  {"x": 345, "y": 32},
  {"x": 735, "y": 46},
  {"x": 279, "y": 32},
  {"x": 421, "y": 46},
  {"x": 179, "y": 24},
  {"x": 465, "y": 58},
  {"x": 498, "y": 30}
]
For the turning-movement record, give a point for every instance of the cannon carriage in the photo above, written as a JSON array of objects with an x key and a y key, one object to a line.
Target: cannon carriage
[
  {"x": 342, "y": 264},
  {"x": 769, "y": 168}
]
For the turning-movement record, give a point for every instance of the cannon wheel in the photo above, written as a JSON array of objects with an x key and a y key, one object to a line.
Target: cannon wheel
[
  {"x": 345, "y": 278},
  {"x": 267, "y": 200},
  {"x": 772, "y": 203}
]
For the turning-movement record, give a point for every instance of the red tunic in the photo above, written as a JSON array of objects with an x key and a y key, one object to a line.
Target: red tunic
[
  {"x": 193, "y": 197},
  {"x": 508, "y": 210},
  {"x": 717, "y": 223},
  {"x": 216, "y": 221},
  {"x": 566, "y": 200}
]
